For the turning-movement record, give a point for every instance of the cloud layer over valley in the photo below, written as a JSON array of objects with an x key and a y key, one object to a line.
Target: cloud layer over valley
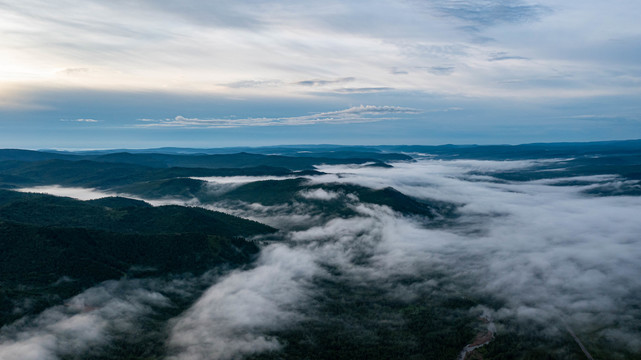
[{"x": 535, "y": 255}]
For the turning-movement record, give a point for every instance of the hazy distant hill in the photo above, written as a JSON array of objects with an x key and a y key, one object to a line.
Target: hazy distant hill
[
  {"x": 394, "y": 152},
  {"x": 236, "y": 160},
  {"x": 524, "y": 151},
  {"x": 322, "y": 151},
  {"x": 106, "y": 175}
]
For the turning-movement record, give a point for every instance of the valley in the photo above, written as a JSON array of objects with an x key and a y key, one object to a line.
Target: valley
[{"x": 460, "y": 254}]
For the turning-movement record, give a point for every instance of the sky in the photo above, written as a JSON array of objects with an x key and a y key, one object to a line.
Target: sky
[{"x": 136, "y": 74}]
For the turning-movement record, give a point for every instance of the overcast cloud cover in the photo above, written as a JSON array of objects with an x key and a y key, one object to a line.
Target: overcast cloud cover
[
  {"x": 519, "y": 71},
  {"x": 534, "y": 253}
]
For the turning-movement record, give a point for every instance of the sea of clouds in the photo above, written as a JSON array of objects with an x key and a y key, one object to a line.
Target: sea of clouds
[{"x": 551, "y": 255}]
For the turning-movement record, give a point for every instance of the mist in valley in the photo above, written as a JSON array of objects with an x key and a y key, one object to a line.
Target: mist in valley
[{"x": 533, "y": 258}]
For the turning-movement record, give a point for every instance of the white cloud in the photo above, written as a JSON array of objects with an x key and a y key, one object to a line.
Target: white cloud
[
  {"x": 545, "y": 252},
  {"x": 256, "y": 47},
  {"x": 543, "y": 246},
  {"x": 356, "y": 114},
  {"x": 239, "y": 180},
  {"x": 230, "y": 319},
  {"x": 319, "y": 194},
  {"x": 77, "y": 193},
  {"x": 81, "y": 120},
  {"x": 86, "y": 322}
]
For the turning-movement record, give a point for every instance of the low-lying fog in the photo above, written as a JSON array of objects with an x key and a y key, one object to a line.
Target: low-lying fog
[{"x": 546, "y": 254}]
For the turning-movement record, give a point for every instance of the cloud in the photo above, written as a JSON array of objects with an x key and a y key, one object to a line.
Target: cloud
[
  {"x": 345, "y": 90},
  {"x": 502, "y": 55},
  {"x": 441, "y": 70},
  {"x": 547, "y": 253},
  {"x": 254, "y": 48},
  {"x": 74, "y": 71},
  {"x": 545, "y": 248},
  {"x": 239, "y": 179},
  {"x": 319, "y": 82},
  {"x": 232, "y": 316},
  {"x": 490, "y": 12},
  {"x": 396, "y": 71},
  {"x": 217, "y": 185},
  {"x": 286, "y": 217},
  {"x": 319, "y": 194},
  {"x": 253, "y": 84},
  {"x": 77, "y": 193},
  {"x": 356, "y": 114},
  {"x": 81, "y": 120},
  {"x": 87, "y": 323},
  {"x": 533, "y": 253},
  {"x": 363, "y": 90}
]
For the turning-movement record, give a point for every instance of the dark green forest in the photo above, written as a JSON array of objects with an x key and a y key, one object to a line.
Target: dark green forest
[{"x": 45, "y": 238}]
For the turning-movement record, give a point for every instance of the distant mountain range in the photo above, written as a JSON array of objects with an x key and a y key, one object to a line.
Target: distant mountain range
[{"x": 394, "y": 152}]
